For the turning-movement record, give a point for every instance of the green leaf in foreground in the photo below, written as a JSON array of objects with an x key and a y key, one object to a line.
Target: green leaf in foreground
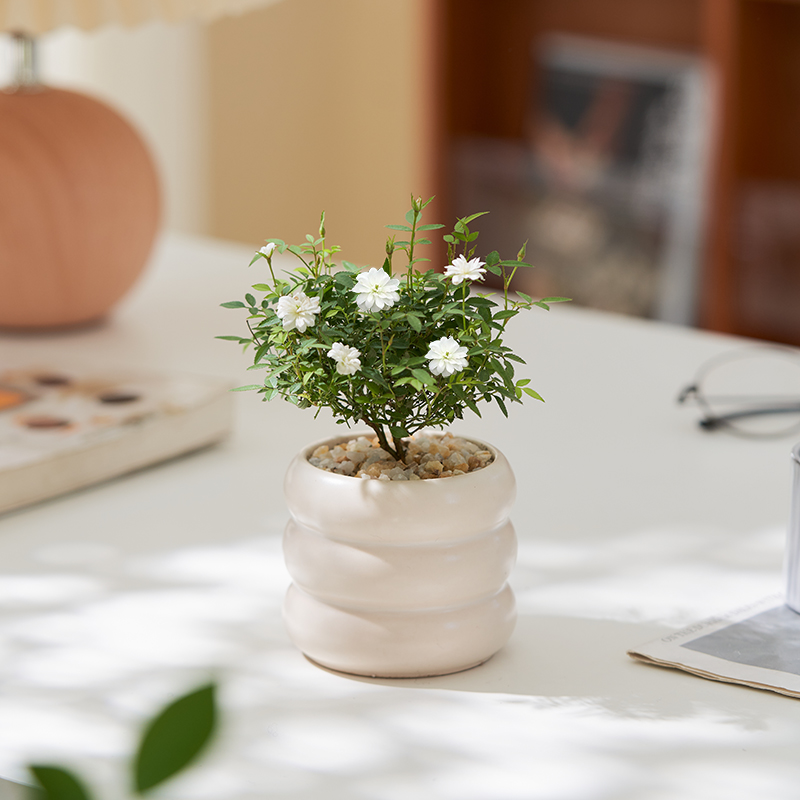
[
  {"x": 175, "y": 738},
  {"x": 55, "y": 783}
]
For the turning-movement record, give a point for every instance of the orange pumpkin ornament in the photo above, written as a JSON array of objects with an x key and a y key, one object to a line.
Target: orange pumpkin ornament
[{"x": 79, "y": 208}]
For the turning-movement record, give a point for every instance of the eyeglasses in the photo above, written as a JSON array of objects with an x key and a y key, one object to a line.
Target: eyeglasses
[{"x": 753, "y": 392}]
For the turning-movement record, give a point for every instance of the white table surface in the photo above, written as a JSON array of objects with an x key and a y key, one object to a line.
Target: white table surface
[{"x": 632, "y": 522}]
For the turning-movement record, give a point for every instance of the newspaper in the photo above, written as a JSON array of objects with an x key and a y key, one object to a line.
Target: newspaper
[{"x": 756, "y": 645}]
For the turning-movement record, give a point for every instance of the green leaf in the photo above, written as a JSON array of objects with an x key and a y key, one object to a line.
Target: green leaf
[
  {"x": 506, "y": 314},
  {"x": 399, "y": 228},
  {"x": 175, "y": 738},
  {"x": 424, "y": 377},
  {"x": 556, "y": 300},
  {"x": 248, "y": 388},
  {"x": 415, "y": 322},
  {"x": 481, "y": 301},
  {"x": 398, "y": 432},
  {"x": 233, "y": 304},
  {"x": 262, "y": 287},
  {"x": 532, "y": 393},
  {"x": 261, "y": 352},
  {"x": 467, "y": 220},
  {"x": 251, "y": 301},
  {"x": 58, "y": 784},
  {"x": 471, "y": 404},
  {"x": 433, "y": 227},
  {"x": 344, "y": 279}
]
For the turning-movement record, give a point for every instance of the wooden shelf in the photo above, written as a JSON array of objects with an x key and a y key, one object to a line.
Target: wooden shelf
[{"x": 750, "y": 268}]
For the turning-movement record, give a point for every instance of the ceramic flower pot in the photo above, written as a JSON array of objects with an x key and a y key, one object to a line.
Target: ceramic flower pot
[{"x": 399, "y": 578}]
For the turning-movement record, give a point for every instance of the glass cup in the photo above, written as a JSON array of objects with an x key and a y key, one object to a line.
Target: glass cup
[{"x": 791, "y": 564}]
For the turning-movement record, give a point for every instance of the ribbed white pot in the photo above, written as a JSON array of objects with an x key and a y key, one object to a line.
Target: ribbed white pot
[{"x": 399, "y": 578}]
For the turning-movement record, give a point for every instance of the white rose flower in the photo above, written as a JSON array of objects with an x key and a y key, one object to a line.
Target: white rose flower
[
  {"x": 463, "y": 270},
  {"x": 268, "y": 249},
  {"x": 446, "y": 356},
  {"x": 346, "y": 358},
  {"x": 375, "y": 290},
  {"x": 297, "y": 311}
]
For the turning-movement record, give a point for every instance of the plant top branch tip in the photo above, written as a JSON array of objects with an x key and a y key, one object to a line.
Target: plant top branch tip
[{"x": 397, "y": 348}]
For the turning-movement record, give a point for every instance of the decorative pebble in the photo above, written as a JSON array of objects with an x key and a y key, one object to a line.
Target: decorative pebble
[{"x": 428, "y": 456}]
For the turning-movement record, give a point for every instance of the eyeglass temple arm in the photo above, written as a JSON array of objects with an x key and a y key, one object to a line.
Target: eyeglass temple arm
[{"x": 712, "y": 422}]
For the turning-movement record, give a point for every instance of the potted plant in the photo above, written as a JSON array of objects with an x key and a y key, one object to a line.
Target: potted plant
[{"x": 399, "y": 542}]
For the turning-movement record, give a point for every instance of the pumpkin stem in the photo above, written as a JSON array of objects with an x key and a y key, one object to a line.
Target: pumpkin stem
[{"x": 26, "y": 76}]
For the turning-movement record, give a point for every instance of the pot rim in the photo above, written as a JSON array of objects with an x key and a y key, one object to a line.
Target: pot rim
[{"x": 354, "y": 509}]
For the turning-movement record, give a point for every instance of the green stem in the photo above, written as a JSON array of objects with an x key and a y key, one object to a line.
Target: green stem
[
  {"x": 383, "y": 352},
  {"x": 269, "y": 264},
  {"x": 400, "y": 448},
  {"x": 411, "y": 255},
  {"x": 305, "y": 263}
]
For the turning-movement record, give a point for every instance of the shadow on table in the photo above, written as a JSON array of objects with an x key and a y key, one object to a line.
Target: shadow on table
[{"x": 567, "y": 658}]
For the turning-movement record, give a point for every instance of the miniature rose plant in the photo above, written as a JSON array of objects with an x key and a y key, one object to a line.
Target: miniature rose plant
[{"x": 398, "y": 348}]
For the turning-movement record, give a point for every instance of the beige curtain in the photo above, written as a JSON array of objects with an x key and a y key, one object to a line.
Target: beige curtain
[{"x": 39, "y": 16}]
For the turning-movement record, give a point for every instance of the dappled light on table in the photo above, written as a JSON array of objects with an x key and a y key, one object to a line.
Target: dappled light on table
[{"x": 91, "y": 649}]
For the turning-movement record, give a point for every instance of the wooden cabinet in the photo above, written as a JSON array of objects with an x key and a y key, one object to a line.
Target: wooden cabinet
[{"x": 749, "y": 270}]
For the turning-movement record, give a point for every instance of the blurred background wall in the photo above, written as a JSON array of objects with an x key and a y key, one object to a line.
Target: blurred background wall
[
  {"x": 260, "y": 122},
  {"x": 320, "y": 105},
  {"x": 567, "y": 119}
]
